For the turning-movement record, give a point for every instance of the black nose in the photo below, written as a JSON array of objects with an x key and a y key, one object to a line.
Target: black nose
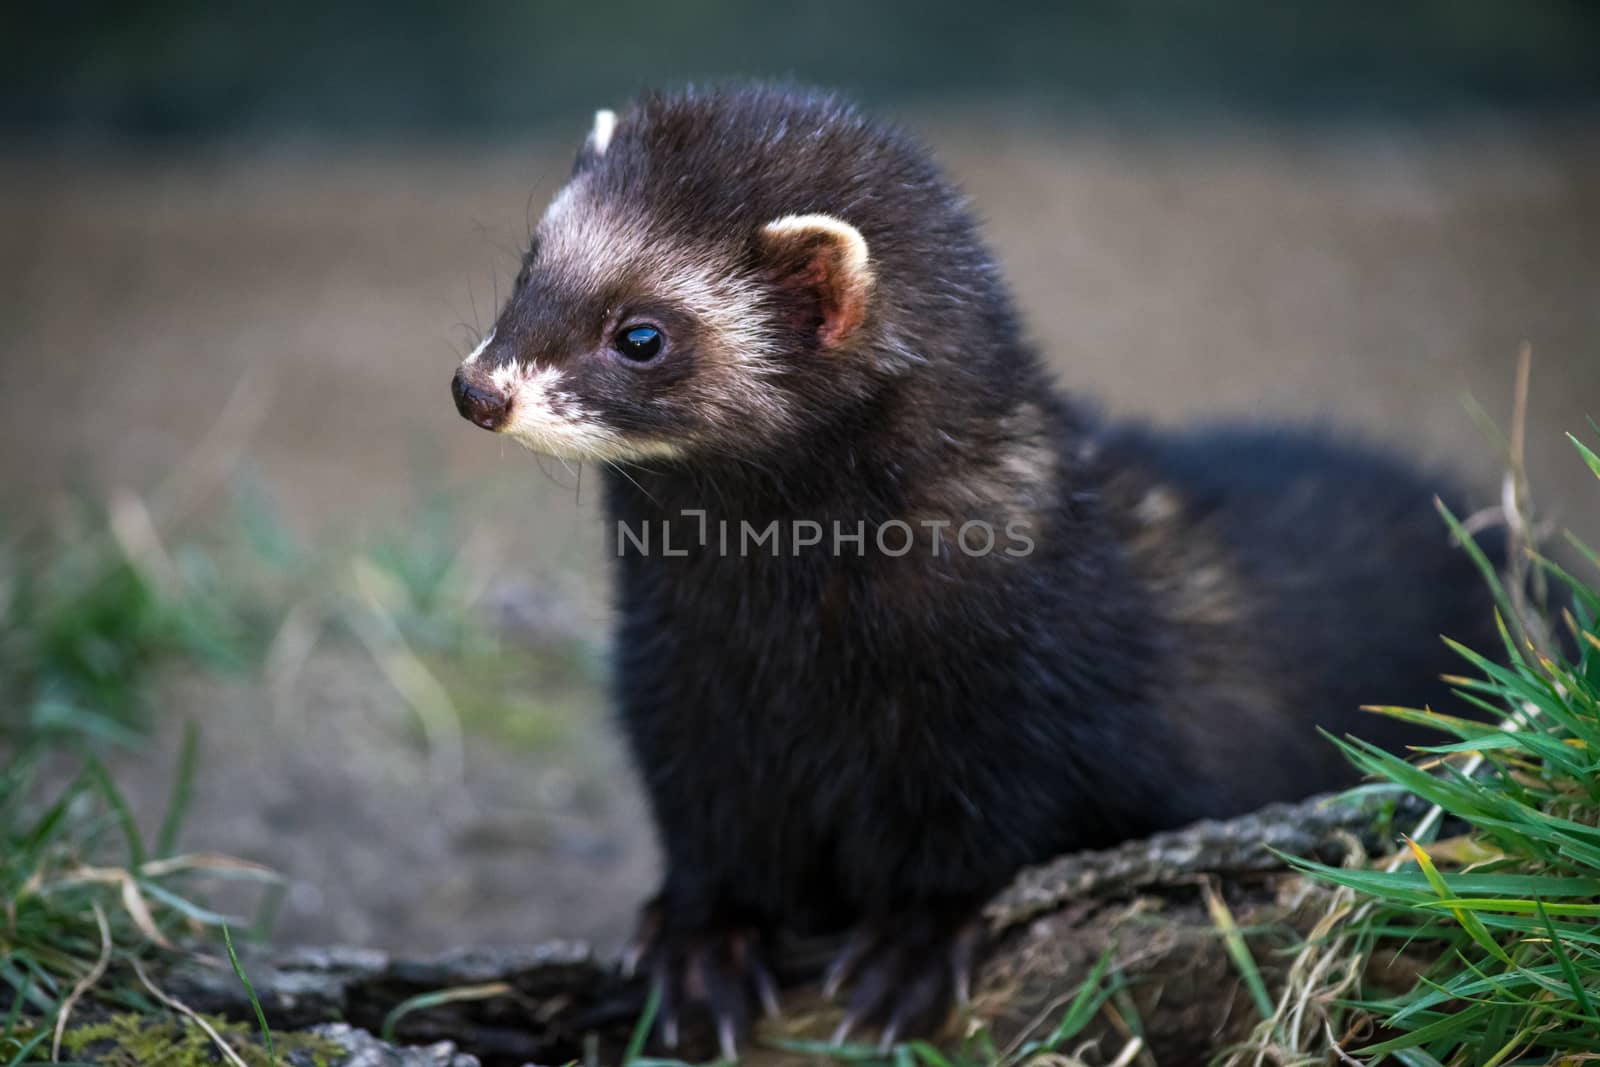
[{"x": 484, "y": 406}]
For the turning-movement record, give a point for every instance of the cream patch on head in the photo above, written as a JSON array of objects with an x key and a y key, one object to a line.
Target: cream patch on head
[
  {"x": 488, "y": 338},
  {"x": 594, "y": 242},
  {"x": 589, "y": 243},
  {"x": 546, "y": 418},
  {"x": 605, "y": 124},
  {"x": 584, "y": 242}
]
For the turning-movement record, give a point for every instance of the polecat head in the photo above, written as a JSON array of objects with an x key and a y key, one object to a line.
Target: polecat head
[{"x": 724, "y": 273}]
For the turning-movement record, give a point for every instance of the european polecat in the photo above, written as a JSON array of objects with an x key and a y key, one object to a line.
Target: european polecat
[{"x": 897, "y": 618}]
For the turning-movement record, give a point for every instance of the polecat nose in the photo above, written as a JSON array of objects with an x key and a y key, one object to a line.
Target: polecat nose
[{"x": 483, "y": 406}]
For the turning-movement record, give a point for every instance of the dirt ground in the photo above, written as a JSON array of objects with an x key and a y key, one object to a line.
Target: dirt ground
[{"x": 1365, "y": 277}]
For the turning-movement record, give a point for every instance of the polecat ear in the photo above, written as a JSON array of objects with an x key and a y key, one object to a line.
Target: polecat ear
[{"x": 823, "y": 261}]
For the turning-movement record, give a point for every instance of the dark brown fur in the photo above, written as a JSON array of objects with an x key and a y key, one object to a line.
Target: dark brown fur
[{"x": 879, "y": 742}]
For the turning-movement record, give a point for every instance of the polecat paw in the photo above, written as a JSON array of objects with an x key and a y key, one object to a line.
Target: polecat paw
[
  {"x": 904, "y": 973},
  {"x": 719, "y": 968}
]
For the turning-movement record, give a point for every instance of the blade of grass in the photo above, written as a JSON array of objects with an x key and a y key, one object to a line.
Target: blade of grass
[
  {"x": 1568, "y": 969},
  {"x": 1486, "y": 568},
  {"x": 1092, "y": 993},
  {"x": 84, "y": 984},
  {"x": 17, "y": 1000},
  {"x": 423, "y": 1001},
  {"x": 250, "y": 991},
  {"x": 642, "y": 1027},
  {"x": 1516, "y": 907},
  {"x": 182, "y": 790},
  {"x": 1590, "y": 460},
  {"x": 25, "y": 1050},
  {"x": 119, "y": 807},
  {"x": 930, "y": 1055},
  {"x": 1238, "y": 951},
  {"x": 1469, "y": 922}
]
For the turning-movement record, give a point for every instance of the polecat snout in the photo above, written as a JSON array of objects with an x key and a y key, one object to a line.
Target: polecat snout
[{"x": 896, "y": 618}]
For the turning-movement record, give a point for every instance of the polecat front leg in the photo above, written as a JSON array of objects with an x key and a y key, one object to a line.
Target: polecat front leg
[
  {"x": 718, "y": 963},
  {"x": 904, "y": 970}
]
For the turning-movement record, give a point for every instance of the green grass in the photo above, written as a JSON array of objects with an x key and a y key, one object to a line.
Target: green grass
[
  {"x": 250, "y": 991},
  {"x": 89, "y": 609},
  {"x": 95, "y": 606},
  {"x": 1507, "y": 909},
  {"x": 95, "y": 611},
  {"x": 413, "y": 597},
  {"x": 86, "y": 899}
]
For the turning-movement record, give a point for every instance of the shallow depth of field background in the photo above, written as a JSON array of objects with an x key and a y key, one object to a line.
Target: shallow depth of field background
[{"x": 243, "y": 249}]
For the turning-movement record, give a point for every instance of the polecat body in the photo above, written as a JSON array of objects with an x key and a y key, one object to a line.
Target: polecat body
[{"x": 770, "y": 316}]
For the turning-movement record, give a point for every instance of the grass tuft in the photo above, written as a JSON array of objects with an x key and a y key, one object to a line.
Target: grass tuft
[
  {"x": 1500, "y": 916},
  {"x": 89, "y": 611},
  {"x": 83, "y": 899}
]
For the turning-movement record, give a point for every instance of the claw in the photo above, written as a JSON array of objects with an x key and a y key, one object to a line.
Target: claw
[
  {"x": 644, "y": 939},
  {"x": 964, "y": 989},
  {"x": 667, "y": 1008},
  {"x": 903, "y": 972},
  {"x": 905, "y": 1015},
  {"x": 844, "y": 964},
  {"x": 696, "y": 985},
  {"x": 766, "y": 990},
  {"x": 963, "y": 961},
  {"x": 715, "y": 970}
]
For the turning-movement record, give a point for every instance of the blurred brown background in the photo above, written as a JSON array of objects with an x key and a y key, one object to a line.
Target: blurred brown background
[{"x": 295, "y": 222}]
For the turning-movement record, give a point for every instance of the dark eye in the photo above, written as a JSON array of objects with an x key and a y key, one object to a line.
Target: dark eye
[{"x": 639, "y": 343}]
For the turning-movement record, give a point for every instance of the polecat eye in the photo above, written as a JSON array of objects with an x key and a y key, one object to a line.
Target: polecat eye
[{"x": 640, "y": 343}]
